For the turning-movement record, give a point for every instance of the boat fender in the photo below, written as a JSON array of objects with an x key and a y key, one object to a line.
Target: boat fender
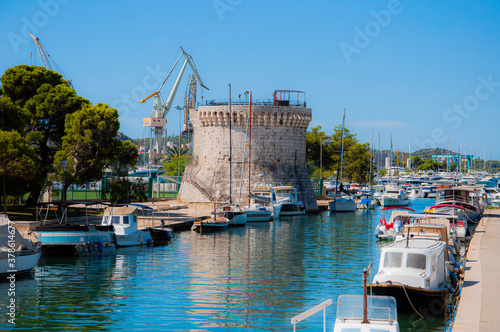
[
  {"x": 148, "y": 241},
  {"x": 454, "y": 280},
  {"x": 89, "y": 247},
  {"x": 99, "y": 247},
  {"x": 457, "y": 247},
  {"x": 115, "y": 240}
]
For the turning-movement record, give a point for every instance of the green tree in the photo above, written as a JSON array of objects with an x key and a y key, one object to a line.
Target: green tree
[
  {"x": 356, "y": 156},
  {"x": 54, "y": 123},
  {"x": 90, "y": 143}
]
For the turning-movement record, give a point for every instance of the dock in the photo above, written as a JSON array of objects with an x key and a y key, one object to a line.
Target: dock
[{"x": 478, "y": 307}]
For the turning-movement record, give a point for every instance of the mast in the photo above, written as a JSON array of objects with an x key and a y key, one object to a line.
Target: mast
[
  {"x": 230, "y": 152},
  {"x": 249, "y": 148},
  {"x": 339, "y": 168},
  {"x": 371, "y": 162}
]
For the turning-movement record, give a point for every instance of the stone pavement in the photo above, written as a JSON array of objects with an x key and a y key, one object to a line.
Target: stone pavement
[{"x": 479, "y": 307}]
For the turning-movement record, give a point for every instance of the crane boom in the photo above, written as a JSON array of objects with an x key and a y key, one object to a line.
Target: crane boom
[{"x": 44, "y": 56}]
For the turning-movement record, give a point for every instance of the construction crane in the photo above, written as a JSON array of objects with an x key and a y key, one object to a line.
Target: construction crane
[
  {"x": 46, "y": 61},
  {"x": 157, "y": 120},
  {"x": 189, "y": 103}
]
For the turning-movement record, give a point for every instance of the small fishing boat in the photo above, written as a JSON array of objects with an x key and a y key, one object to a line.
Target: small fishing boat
[
  {"x": 123, "y": 218},
  {"x": 211, "y": 224},
  {"x": 264, "y": 195},
  {"x": 236, "y": 215},
  {"x": 72, "y": 238},
  {"x": 416, "y": 271},
  {"x": 387, "y": 230},
  {"x": 18, "y": 255},
  {"x": 394, "y": 196},
  {"x": 364, "y": 200},
  {"x": 287, "y": 197},
  {"x": 370, "y": 313},
  {"x": 468, "y": 198},
  {"x": 415, "y": 192},
  {"x": 258, "y": 212},
  {"x": 358, "y": 313},
  {"x": 459, "y": 222}
]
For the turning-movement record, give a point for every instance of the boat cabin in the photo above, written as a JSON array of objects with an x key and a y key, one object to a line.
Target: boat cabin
[
  {"x": 415, "y": 262},
  {"x": 122, "y": 218}
]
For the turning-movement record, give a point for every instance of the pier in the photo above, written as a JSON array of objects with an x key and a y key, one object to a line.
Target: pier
[{"x": 478, "y": 307}]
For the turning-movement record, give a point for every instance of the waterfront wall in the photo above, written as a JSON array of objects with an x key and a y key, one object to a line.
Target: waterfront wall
[{"x": 278, "y": 152}]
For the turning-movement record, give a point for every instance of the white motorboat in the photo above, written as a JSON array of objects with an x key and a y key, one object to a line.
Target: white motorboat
[
  {"x": 468, "y": 198},
  {"x": 429, "y": 190},
  {"x": 394, "y": 196},
  {"x": 416, "y": 273},
  {"x": 257, "y": 212},
  {"x": 342, "y": 203},
  {"x": 265, "y": 195},
  {"x": 493, "y": 196},
  {"x": 18, "y": 255},
  {"x": 124, "y": 221},
  {"x": 358, "y": 313},
  {"x": 287, "y": 197},
  {"x": 415, "y": 192},
  {"x": 236, "y": 215},
  {"x": 388, "y": 230}
]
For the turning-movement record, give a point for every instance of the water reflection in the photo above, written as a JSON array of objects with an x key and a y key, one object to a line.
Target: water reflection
[{"x": 243, "y": 279}]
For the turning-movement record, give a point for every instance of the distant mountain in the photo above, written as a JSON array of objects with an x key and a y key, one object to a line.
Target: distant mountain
[{"x": 426, "y": 154}]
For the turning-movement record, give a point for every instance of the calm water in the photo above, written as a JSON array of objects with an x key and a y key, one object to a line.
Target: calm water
[{"x": 244, "y": 279}]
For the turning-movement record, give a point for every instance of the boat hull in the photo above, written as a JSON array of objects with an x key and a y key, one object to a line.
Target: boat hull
[
  {"x": 342, "y": 206},
  {"x": 236, "y": 218},
  {"x": 292, "y": 209},
  {"x": 76, "y": 240},
  {"x": 24, "y": 263},
  {"x": 408, "y": 298},
  {"x": 141, "y": 237},
  {"x": 389, "y": 201}
]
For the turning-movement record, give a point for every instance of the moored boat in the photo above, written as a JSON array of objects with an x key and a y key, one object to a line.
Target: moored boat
[
  {"x": 387, "y": 230},
  {"x": 465, "y": 197},
  {"x": 394, "y": 196},
  {"x": 18, "y": 255},
  {"x": 211, "y": 224},
  {"x": 124, "y": 221},
  {"x": 415, "y": 271},
  {"x": 287, "y": 197}
]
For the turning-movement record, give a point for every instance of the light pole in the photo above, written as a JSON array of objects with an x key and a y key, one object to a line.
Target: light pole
[
  {"x": 179, "y": 150},
  {"x": 64, "y": 164}
]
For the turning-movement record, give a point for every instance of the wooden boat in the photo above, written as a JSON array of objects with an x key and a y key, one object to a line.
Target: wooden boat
[
  {"x": 416, "y": 271},
  {"x": 468, "y": 198},
  {"x": 211, "y": 224}
]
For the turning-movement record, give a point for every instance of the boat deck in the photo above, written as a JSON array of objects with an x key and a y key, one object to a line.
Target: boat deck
[{"x": 478, "y": 307}]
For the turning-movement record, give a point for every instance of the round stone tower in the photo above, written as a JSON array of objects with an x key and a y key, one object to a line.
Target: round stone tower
[{"x": 277, "y": 152}]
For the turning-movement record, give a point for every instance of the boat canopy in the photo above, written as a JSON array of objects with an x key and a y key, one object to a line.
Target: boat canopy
[{"x": 379, "y": 307}]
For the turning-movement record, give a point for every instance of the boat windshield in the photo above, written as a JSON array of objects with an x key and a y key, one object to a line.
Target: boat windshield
[
  {"x": 416, "y": 261},
  {"x": 379, "y": 307},
  {"x": 393, "y": 259}
]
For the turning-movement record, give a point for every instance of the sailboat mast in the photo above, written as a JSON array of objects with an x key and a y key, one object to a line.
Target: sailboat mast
[
  {"x": 339, "y": 167},
  {"x": 230, "y": 152},
  {"x": 249, "y": 148},
  {"x": 342, "y": 150}
]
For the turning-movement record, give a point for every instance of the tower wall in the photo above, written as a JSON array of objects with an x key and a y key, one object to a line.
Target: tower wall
[{"x": 278, "y": 153}]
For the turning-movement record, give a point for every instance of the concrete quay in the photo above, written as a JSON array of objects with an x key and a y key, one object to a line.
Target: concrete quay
[{"x": 479, "y": 306}]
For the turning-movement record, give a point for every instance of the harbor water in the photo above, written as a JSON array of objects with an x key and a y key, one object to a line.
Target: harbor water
[{"x": 253, "y": 278}]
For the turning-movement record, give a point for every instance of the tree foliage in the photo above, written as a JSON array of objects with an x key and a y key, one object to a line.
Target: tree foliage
[
  {"x": 53, "y": 123},
  {"x": 356, "y": 155}
]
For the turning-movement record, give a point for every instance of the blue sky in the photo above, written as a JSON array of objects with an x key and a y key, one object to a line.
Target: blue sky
[{"x": 427, "y": 71}]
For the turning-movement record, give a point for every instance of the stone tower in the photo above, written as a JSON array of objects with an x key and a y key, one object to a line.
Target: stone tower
[{"x": 278, "y": 152}]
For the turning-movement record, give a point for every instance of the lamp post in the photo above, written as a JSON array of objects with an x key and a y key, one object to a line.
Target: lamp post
[
  {"x": 179, "y": 150},
  {"x": 63, "y": 165}
]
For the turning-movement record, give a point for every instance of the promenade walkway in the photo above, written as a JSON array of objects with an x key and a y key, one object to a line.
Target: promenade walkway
[{"x": 479, "y": 307}]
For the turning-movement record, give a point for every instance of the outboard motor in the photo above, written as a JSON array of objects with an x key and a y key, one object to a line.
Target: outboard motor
[{"x": 398, "y": 226}]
